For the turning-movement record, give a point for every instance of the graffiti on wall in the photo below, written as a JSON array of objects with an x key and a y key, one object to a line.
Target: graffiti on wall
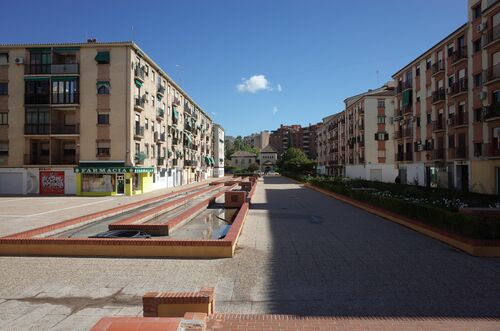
[{"x": 51, "y": 182}]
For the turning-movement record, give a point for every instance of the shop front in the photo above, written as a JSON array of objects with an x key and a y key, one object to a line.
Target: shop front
[{"x": 102, "y": 179}]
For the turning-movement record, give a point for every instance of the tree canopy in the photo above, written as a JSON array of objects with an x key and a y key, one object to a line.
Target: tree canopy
[
  {"x": 238, "y": 145},
  {"x": 296, "y": 161}
]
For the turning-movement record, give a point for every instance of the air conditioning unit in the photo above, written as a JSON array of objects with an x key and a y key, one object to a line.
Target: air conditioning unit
[
  {"x": 420, "y": 147},
  {"x": 481, "y": 27},
  {"x": 19, "y": 60}
]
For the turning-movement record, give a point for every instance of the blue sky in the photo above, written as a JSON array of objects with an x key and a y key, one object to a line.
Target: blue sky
[{"x": 306, "y": 56}]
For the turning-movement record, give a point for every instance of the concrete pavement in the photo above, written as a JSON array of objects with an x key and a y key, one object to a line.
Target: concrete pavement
[{"x": 300, "y": 252}]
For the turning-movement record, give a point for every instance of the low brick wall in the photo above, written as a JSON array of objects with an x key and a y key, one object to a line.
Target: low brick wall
[{"x": 177, "y": 304}]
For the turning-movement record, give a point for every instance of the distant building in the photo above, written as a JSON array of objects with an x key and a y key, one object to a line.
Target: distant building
[
  {"x": 258, "y": 140},
  {"x": 268, "y": 158},
  {"x": 242, "y": 159},
  {"x": 218, "y": 140},
  {"x": 304, "y": 138}
]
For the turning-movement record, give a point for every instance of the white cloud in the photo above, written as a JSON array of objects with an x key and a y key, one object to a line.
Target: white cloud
[
  {"x": 278, "y": 87},
  {"x": 254, "y": 84},
  {"x": 275, "y": 110},
  {"x": 214, "y": 113}
]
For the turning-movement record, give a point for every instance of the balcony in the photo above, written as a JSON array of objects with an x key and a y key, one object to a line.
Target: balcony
[
  {"x": 160, "y": 113},
  {"x": 458, "y": 119},
  {"x": 408, "y": 156},
  {"x": 103, "y": 152},
  {"x": 437, "y": 67},
  {"x": 175, "y": 141},
  {"x": 37, "y": 99},
  {"x": 160, "y": 160},
  {"x": 175, "y": 162},
  {"x": 459, "y": 55},
  {"x": 139, "y": 131},
  {"x": 398, "y": 134},
  {"x": 139, "y": 103},
  {"x": 65, "y": 129},
  {"x": 399, "y": 157},
  {"x": 491, "y": 112},
  {"x": 160, "y": 90},
  {"x": 492, "y": 150},
  {"x": 407, "y": 109},
  {"x": 66, "y": 98},
  {"x": 57, "y": 69},
  {"x": 36, "y": 129},
  {"x": 33, "y": 159},
  {"x": 459, "y": 87},
  {"x": 190, "y": 163},
  {"x": 408, "y": 132},
  {"x": 407, "y": 85},
  {"x": 439, "y": 95},
  {"x": 55, "y": 159},
  {"x": 176, "y": 101},
  {"x": 438, "y": 154},
  {"x": 458, "y": 152},
  {"x": 65, "y": 159},
  {"x": 139, "y": 73},
  {"x": 492, "y": 75},
  {"x": 491, "y": 36},
  {"x": 438, "y": 125}
]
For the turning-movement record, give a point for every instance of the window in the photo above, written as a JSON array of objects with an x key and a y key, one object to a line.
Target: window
[
  {"x": 418, "y": 98},
  {"x": 65, "y": 90},
  {"x": 429, "y": 118},
  {"x": 146, "y": 124},
  {"x": 418, "y": 121},
  {"x": 4, "y": 148},
  {"x": 4, "y": 58},
  {"x": 4, "y": 118},
  {"x": 450, "y": 50},
  {"x": 478, "y": 115},
  {"x": 476, "y": 11},
  {"x": 477, "y": 45},
  {"x": 102, "y": 118},
  {"x": 451, "y": 141},
  {"x": 381, "y": 136},
  {"x": 428, "y": 64},
  {"x": 478, "y": 80},
  {"x": 103, "y": 148},
  {"x": 4, "y": 88},
  {"x": 36, "y": 121},
  {"x": 381, "y": 103},
  {"x": 137, "y": 149},
  {"x": 417, "y": 72},
  {"x": 103, "y": 87},
  {"x": 451, "y": 79},
  {"x": 381, "y": 119},
  {"x": 478, "y": 148},
  {"x": 146, "y": 148}
]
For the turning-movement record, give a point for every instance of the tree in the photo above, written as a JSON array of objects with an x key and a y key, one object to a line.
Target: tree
[
  {"x": 253, "y": 167},
  {"x": 295, "y": 161}
]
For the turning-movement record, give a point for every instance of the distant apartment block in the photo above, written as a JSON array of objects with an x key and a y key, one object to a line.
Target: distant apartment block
[
  {"x": 96, "y": 119},
  {"x": 304, "y": 138},
  {"x": 356, "y": 142},
  {"x": 258, "y": 140}
]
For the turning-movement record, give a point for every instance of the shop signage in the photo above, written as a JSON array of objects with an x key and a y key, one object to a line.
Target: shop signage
[{"x": 112, "y": 170}]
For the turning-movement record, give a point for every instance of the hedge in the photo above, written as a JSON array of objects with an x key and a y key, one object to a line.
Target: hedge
[{"x": 451, "y": 221}]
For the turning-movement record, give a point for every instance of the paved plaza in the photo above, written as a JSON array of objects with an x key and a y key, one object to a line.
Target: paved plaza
[{"x": 300, "y": 252}]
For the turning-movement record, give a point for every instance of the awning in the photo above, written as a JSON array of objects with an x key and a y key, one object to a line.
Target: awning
[
  {"x": 102, "y": 57},
  {"x": 207, "y": 160},
  {"x": 175, "y": 112},
  {"x": 138, "y": 83},
  {"x": 35, "y": 78},
  {"x": 63, "y": 78},
  {"x": 189, "y": 138},
  {"x": 66, "y": 49},
  {"x": 101, "y": 83},
  {"x": 406, "y": 98},
  {"x": 111, "y": 170}
]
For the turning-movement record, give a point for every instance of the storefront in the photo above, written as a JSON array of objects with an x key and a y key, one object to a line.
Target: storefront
[{"x": 101, "y": 179}]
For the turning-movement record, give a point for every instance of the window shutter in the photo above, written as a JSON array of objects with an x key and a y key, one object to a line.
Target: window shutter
[
  {"x": 386, "y": 136},
  {"x": 376, "y": 136}
]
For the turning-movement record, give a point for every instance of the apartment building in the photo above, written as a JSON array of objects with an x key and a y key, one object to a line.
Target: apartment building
[
  {"x": 218, "y": 151},
  {"x": 447, "y": 119},
  {"x": 96, "y": 119},
  {"x": 258, "y": 140},
  {"x": 356, "y": 142},
  {"x": 310, "y": 140},
  {"x": 304, "y": 138}
]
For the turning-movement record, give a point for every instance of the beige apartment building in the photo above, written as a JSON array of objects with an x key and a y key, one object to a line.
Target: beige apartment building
[
  {"x": 356, "y": 142},
  {"x": 96, "y": 119},
  {"x": 447, "y": 121}
]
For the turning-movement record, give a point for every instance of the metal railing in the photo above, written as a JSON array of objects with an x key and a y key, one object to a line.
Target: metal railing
[
  {"x": 37, "y": 99},
  {"x": 437, "y": 67},
  {"x": 139, "y": 131},
  {"x": 65, "y": 68},
  {"x": 36, "y": 128},
  {"x": 439, "y": 95},
  {"x": 459, "y": 86}
]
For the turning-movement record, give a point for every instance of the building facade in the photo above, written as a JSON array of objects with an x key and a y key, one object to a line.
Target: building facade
[
  {"x": 258, "y": 140},
  {"x": 96, "y": 119},
  {"x": 242, "y": 159},
  {"x": 356, "y": 141},
  {"x": 218, "y": 151},
  {"x": 304, "y": 138},
  {"x": 268, "y": 159},
  {"x": 447, "y": 119}
]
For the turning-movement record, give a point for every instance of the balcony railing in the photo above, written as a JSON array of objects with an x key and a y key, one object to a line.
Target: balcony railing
[
  {"x": 65, "y": 159},
  {"x": 438, "y": 154},
  {"x": 65, "y": 129},
  {"x": 459, "y": 54},
  {"x": 408, "y": 132},
  {"x": 160, "y": 160},
  {"x": 160, "y": 89},
  {"x": 398, "y": 134},
  {"x": 160, "y": 113},
  {"x": 492, "y": 150},
  {"x": 37, "y": 99},
  {"x": 66, "y": 98},
  {"x": 64, "y": 68},
  {"x": 437, "y": 67},
  {"x": 438, "y": 125},
  {"x": 163, "y": 137},
  {"x": 491, "y": 36},
  {"x": 37, "y": 69},
  {"x": 492, "y": 74},
  {"x": 139, "y": 102},
  {"x": 407, "y": 109},
  {"x": 176, "y": 101},
  {"x": 31, "y": 159},
  {"x": 458, "y": 152},
  {"x": 459, "y": 86},
  {"x": 36, "y": 128},
  {"x": 439, "y": 95},
  {"x": 60, "y": 159},
  {"x": 458, "y": 119},
  {"x": 175, "y": 141},
  {"x": 408, "y": 156},
  {"x": 139, "y": 131},
  {"x": 492, "y": 111},
  {"x": 139, "y": 73},
  {"x": 103, "y": 151}
]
